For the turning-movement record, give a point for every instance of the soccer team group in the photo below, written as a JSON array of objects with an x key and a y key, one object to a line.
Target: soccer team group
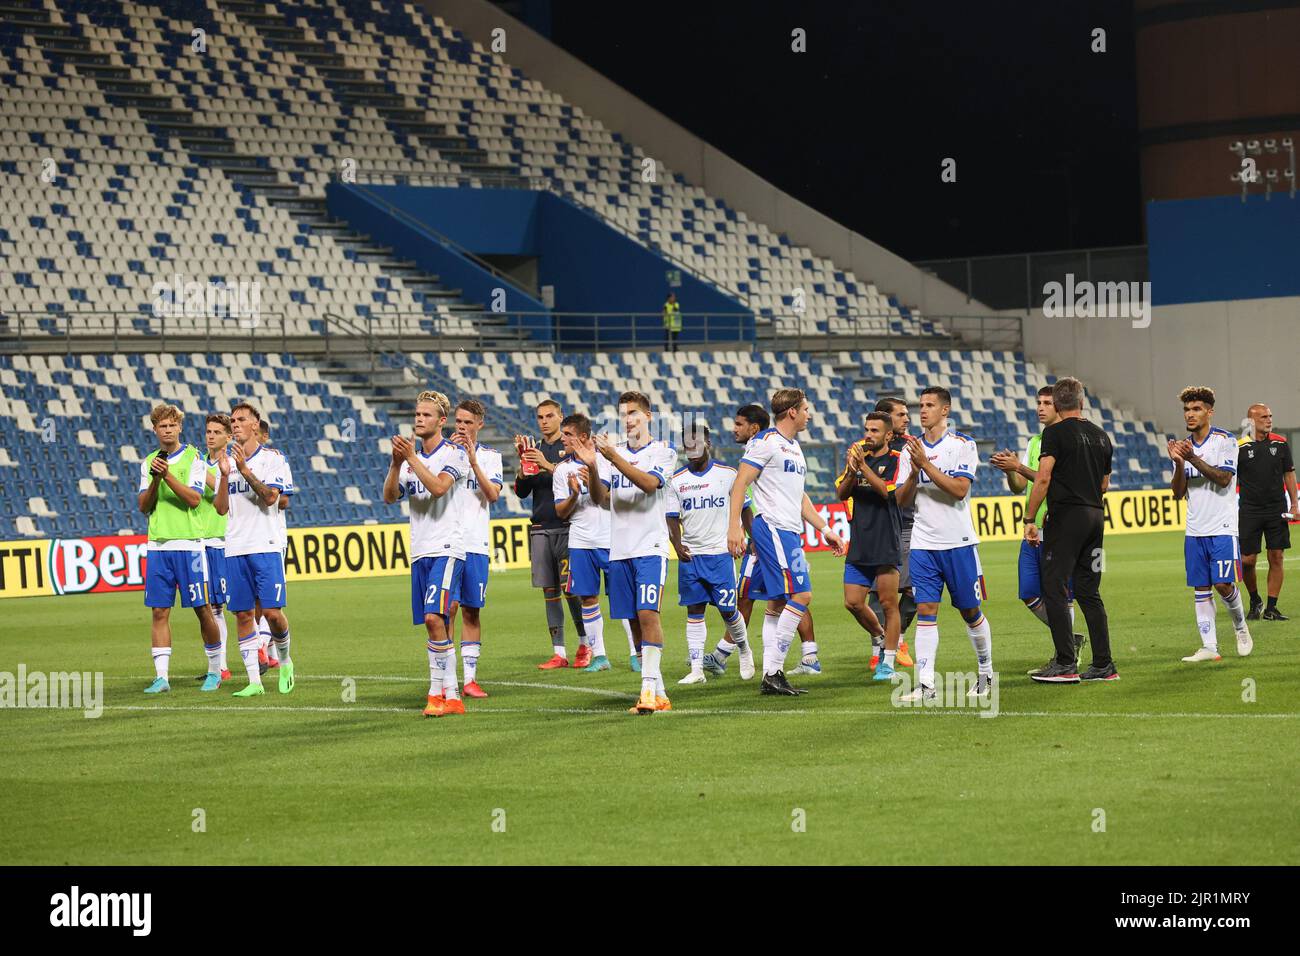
[{"x": 606, "y": 512}]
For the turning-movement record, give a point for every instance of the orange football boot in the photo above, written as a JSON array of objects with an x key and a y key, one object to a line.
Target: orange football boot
[
  {"x": 903, "y": 659},
  {"x": 662, "y": 703},
  {"x": 436, "y": 706},
  {"x": 584, "y": 656},
  {"x": 473, "y": 690},
  {"x": 452, "y": 705},
  {"x": 555, "y": 663}
]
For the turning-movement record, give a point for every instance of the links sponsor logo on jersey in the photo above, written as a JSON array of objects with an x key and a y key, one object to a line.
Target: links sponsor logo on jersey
[
  {"x": 795, "y": 467},
  {"x": 704, "y": 501}
]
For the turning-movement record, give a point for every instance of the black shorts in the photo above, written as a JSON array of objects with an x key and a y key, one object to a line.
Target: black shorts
[{"x": 1274, "y": 530}]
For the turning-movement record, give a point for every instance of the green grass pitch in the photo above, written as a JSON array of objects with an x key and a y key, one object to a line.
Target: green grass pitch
[{"x": 1171, "y": 759}]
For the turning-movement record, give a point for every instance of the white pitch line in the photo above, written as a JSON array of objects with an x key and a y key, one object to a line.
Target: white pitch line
[{"x": 693, "y": 712}]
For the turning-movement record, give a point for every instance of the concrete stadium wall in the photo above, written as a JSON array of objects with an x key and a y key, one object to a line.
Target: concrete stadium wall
[{"x": 1246, "y": 350}]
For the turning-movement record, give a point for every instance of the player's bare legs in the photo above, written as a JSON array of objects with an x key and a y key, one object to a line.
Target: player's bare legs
[
  {"x": 444, "y": 694},
  {"x": 927, "y": 646},
  {"x": 697, "y": 635},
  {"x": 808, "y": 662},
  {"x": 593, "y": 636}
]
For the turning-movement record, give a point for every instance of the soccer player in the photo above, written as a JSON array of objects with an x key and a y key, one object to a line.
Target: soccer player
[
  {"x": 426, "y": 470},
  {"x": 582, "y": 498},
  {"x": 252, "y": 478},
  {"x": 267, "y": 654},
  {"x": 1265, "y": 470},
  {"x": 483, "y": 483},
  {"x": 749, "y": 421},
  {"x": 171, "y": 488},
  {"x": 872, "y": 472},
  {"x": 1205, "y": 468},
  {"x": 698, "y": 498},
  {"x": 900, "y": 421},
  {"x": 212, "y": 526},
  {"x": 548, "y": 536},
  {"x": 638, "y": 551},
  {"x": 944, "y": 544},
  {"x": 774, "y": 464},
  {"x": 1020, "y": 480}
]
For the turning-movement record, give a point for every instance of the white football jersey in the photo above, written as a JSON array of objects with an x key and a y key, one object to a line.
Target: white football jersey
[
  {"x": 941, "y": 523},
  {"x": 589, "y": 522},
  {"x": 701, "y": 501},
  {"x": 637, "y": 525},
  {"x": 475, "y": 512},
  {"x": 290, "y": 489},
  {"x": 252, "y": 526},
  {"x": 778, "y": 489},
  {"x": 436, "y": 530},
  {"x": 1212, "y": 510}
]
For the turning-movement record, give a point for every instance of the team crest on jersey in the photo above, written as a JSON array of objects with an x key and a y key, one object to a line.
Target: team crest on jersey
[{"x": 1272, "y": 450}]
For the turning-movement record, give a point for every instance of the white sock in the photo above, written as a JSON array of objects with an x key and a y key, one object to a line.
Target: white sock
[
  {"x": 697, "y": 635},
  {"x": 809, "y": 650},
  {"x": 263, "y": 633},
  {"x": 594, "y": 624},
  {"x": 560, "y": 651},
  {"x": 469, "y": 651},
  {"x": 437, "y": 662},
  {"x": 1235, "y": 607},
  {"x": 981, "y": 638},
  {"x": 787, "y": 626},
  {"x": 248, "y": 652},
  {"x": 1038, "y": 607},
  {"x": 650, "y": 655},
  {"x": 280, "y": 645},
  {"x": 1071, "y": 607},
  {"x": 450, "y": 687},
  {"x": 1205, "y": 619},
  {"x": 889, "y": 658},
  {"x": 770, "y": 622},
  {"x": 736, "y": 629},
  {"x": 631, "y": 641},
  {"x": 927, "y": 646},
  {"x": 162, "y": 657},
  {"x": 724, "y": 649},
  {"x": 220, "y": 615},
  {"x": 214, "y": 657}
]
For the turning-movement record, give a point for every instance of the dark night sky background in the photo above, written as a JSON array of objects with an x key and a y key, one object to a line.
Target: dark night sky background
[{"x": 1043, "y": 130}]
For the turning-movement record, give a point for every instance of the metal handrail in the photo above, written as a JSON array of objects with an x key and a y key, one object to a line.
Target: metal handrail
[{"x": 397, "y": 331}]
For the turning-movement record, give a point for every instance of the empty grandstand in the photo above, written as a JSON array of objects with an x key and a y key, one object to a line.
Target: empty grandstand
[{"x": 152, "y": 154}]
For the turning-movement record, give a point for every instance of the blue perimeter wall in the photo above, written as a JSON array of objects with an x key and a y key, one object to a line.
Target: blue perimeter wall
[
  {"x": 1219, "y": 249},
  {"x": 593, "y": 267}
]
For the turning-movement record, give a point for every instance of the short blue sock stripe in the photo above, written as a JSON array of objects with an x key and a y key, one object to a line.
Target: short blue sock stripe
[
  {"x": 796, "y": 607},
  {"x": 250, "y": 637},
  {"x": 927, "y": 618},
  {"x": 279, "y": 637},
  {"x": 735, "y": 615},
  {"x": 645, "y": 643},
  {"x": 212, "y": 647},
  {"x": 470, "y": 643},
  {"x": 693, "y": 619}
]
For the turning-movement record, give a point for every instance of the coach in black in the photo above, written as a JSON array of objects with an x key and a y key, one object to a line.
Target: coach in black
[
  {"x": 1266, "y": 479},
  {"x": 1073, "y": 473}
]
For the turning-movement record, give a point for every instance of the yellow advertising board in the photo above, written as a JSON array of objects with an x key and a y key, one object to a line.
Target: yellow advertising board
[{"x": 100, "y": 564}]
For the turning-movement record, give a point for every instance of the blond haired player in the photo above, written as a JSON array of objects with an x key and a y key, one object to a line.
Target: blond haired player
[{"x": 426, "y": 470}]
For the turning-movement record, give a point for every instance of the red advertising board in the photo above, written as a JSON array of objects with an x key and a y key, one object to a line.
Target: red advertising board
[{"x": 94, "y": 565}]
